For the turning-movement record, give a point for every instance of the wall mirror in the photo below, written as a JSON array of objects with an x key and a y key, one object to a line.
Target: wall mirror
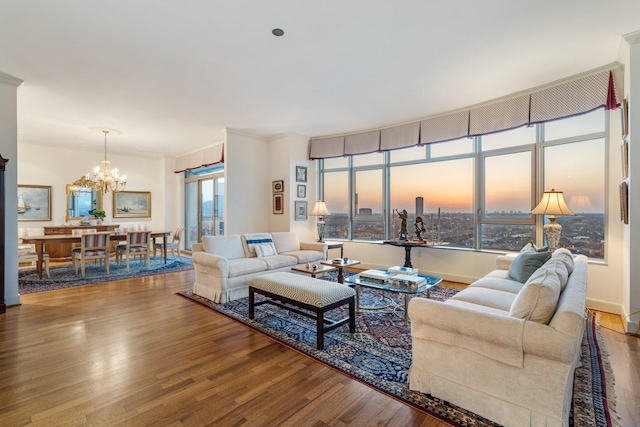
[{"x": 78, "y": 206}]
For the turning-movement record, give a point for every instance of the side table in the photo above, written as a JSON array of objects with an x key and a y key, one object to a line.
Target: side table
[
  {"x": 335, "y": 245},
  {"x": 320, "y": 269},
  {"x": 340, "y": 266}
]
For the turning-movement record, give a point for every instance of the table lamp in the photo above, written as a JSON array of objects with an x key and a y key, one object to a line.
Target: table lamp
[
  {"x": 552, "y": 204},
  {"x": 320, "y": 210}
]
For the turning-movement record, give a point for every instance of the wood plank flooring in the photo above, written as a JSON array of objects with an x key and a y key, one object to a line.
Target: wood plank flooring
[{"x": 133, "y": 353}]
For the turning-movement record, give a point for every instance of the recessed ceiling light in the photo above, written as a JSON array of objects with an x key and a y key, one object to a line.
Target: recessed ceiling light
[{"x": 277, "y": 32}]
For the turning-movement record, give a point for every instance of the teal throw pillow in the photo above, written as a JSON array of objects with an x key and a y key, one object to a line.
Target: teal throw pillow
[{"x": 526, "y": 263}]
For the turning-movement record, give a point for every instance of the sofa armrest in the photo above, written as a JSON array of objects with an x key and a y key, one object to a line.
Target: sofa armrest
[
  {"x": 215, "y": 264},
  {"x": 494, "y": 336},
  {"x": 197, "y": 247},
  {"x": 503, "y": 262},
  {"x": 315, "y": 246}
]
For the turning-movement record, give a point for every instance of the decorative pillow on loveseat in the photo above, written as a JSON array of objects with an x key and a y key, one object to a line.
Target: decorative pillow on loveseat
[
  {"x": 538, "y": 298},
  {"x": 527, "y": 261}
]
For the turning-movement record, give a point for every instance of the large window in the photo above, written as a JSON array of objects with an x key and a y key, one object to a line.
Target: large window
[
  {"x": 204, "y": 207},
  {"x": 476, "y": 192}
]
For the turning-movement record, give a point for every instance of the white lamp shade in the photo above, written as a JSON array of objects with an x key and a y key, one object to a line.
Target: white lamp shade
[
  {"x": 320, "y": 209},
  {"x": 552, "y": 203}
]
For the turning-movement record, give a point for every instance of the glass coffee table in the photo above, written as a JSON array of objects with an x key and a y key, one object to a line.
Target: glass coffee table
[{"x": 406, "y": 291}]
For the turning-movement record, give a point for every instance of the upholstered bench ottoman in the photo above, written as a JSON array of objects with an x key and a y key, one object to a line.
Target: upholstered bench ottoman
[{"x": 296, "y": 293}]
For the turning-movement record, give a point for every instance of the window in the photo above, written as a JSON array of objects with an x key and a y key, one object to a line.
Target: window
[
  {"x": 484, "y": 188},
  {"x": 204, "y": 203}
]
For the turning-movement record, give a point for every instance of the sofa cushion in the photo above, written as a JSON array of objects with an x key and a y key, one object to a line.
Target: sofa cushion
[
  {"x": 242, "y": 266},
  {"x": 265, "y": 250},
  {"x": 539, "y": 296},
  {"x": 278, "y": 261},
  {"x": 491, "y": 281},
  {"x": 527, "y": 262},
  {"x": 250, "y": 240},
  {"x": 286, "y": 241},
  {"x": 557, "y": 266},
  {"x": 304, "y": 257},
  {"x": 492, "y": 298},
  {"x": 229, "y": 247}
]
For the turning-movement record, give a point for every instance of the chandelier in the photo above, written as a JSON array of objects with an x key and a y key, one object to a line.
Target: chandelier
[{"x": 104, "y": 179}]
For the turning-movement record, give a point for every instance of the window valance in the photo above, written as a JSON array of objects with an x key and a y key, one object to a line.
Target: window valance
[
  {"x": 205, "y": 157},
  {"x": 562, "y": 100}
]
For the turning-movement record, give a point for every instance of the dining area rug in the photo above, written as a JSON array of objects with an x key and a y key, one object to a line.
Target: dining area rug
[
  {"x": 379, "y": 355},
  {"x": 64, "y": 276}
]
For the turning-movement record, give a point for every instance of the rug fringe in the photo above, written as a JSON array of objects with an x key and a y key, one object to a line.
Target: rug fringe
[{"x": 608, "y": 373}]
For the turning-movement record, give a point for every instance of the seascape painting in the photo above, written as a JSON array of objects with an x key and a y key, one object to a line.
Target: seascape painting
[
  {"x": 132, "y": 204},
  {"x": 34, "y": 203}
]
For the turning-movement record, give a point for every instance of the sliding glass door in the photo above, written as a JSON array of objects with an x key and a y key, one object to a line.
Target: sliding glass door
[{"x": 204, "y": 206}]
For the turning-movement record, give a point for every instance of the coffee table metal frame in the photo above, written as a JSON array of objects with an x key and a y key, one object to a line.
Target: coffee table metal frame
[{"x": 406, "y": 291}]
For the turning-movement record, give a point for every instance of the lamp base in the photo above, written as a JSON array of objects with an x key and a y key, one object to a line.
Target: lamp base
[
  {"x": 552, "y": 232},
  {"x": 320, "y": 226}
]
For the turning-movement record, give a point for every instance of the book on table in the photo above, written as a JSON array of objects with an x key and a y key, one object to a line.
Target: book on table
[
  {"x": 410, "y": 280},
  {"x": 396, "y": 269},
  {"x": 379, "y": 276}
]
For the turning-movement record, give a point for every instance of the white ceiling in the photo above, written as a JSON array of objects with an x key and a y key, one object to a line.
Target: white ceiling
[{"x": 173, "y": 75}]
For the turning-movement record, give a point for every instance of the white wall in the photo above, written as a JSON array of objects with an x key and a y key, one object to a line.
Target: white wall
[
  {"x": 279, "y": 161},
  {"x": 247, "y": 183},
  {"x": 8, "y": 149},
  {"x": 631, "y": 237},
  {"x": 59, "y": 166}
]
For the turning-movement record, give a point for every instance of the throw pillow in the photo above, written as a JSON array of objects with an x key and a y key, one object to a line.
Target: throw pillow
[
  {"x": 566, "y": 257},
  {"x": 527, "y": 261},
  {"x": 265, "y": 250},
  {"x": 538, "y": 298},
  {"x": 255, "y": 239}
]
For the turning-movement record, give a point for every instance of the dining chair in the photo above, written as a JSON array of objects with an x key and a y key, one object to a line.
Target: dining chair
[
  {"x": 93, "y": 247},
  {"x": 137, "y": 243},
  {"x": 76, "y": 232},
  {"x": 173, "y": 245},
  {"x": 27, "y": 252}
]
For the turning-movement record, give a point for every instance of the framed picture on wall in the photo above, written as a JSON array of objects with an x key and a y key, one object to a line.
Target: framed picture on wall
[
  {"x": 301, "y": 210},
  {"x": 301, "y": 174},
  {"x": 302, "y": 191},
  {"x": 277, "y": 186},
  {"x": 624, "y": 117},
  {"x": 624, "y": 203},
  {"x": 132, "y": 204},
  {"x": 278, "y": 203},
  {"x": 34, "y": 203}
]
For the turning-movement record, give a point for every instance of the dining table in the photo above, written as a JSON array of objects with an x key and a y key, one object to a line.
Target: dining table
[{"x": 40, "y": 241}]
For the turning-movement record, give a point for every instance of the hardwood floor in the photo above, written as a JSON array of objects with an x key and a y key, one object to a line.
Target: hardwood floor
[{"x": 134, "y": 353}]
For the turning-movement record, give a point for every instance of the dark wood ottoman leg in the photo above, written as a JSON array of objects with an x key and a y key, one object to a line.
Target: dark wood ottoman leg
[
  {"x": 320, "y": 329},
  {"x": 352, "y": 315},
  {"x": 251, "y": 302}
]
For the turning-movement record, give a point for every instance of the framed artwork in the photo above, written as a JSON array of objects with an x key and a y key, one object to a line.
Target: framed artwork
[
  {"x": 301, "y": 174},
  {"x": 278, "y": 203},
  {"x": 34, "y": 202},
  {"x": 625, "y": 159},
  {"x": 302, "y": 191},
  {"x": 624, "y": 117},
  {"x": 132, "y": 204},
  {"x": 624, "y": 203},
  {"x": 277, "y": 186},
  {"x": 301, "y": 210}
]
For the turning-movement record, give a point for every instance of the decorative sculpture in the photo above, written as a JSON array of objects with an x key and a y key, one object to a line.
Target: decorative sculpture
[
  {"x": 419, "y": 226},
  {"x": 403, "y": 225}
]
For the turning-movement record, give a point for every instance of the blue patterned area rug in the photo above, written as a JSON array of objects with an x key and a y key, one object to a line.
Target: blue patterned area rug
[
  {"x": 379, "y": 355},
  {"x": 64, "y": 276}
]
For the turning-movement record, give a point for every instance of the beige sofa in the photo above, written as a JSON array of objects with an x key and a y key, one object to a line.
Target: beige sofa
[
  {"x": 503, "y": 349},
  {"x": 224, "y": 264}
]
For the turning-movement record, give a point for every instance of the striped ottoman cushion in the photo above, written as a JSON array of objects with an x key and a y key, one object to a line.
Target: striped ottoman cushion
[{"x": 307, "y": 290}]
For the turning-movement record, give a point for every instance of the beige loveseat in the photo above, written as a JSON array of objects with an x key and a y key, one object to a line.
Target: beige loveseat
[
  {"x": 503, "y": 349},
  {"x": 224, "y": 264}
]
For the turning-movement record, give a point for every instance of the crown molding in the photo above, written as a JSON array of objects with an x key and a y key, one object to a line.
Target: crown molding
[
  {"x": 8, "y": 79},
  {"x": 632, "y": 38}
]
